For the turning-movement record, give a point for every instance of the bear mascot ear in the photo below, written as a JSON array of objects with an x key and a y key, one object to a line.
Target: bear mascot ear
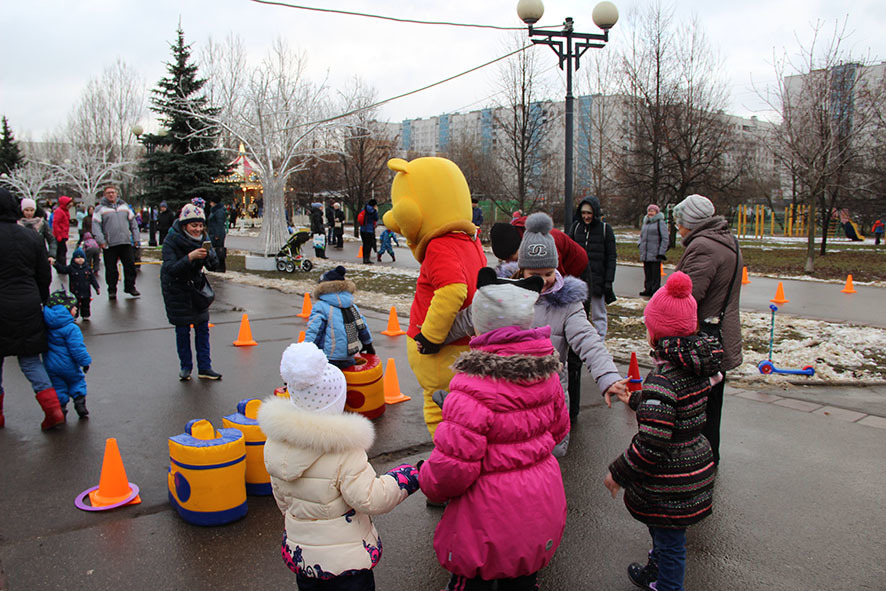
[
  {"x": 486, "y": 276},
  {"x": 534, "y": 283}
]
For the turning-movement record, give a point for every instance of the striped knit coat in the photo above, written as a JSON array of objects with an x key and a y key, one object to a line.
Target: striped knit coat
[{"x": 668, "y": 471}]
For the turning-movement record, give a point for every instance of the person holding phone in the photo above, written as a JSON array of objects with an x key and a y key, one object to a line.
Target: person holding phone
[{"x": 187, "y": 295}]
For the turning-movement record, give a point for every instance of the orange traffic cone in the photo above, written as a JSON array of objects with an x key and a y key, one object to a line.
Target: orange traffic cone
[
  {"x": 305, "y": 307},
  {"x": 779, "y": 295},
  {"x": 393, "y": 329},
  {"x": 848, "y": 288},
  {"x": 663, "y": 274},
  {"x": 114, "y": 489},
  {"x": 635, "y": 382},
  {"x": 360, "y": 253},
  {"x": 244, "y": 339},
  {"x": 301, "y": 336},
  {"x": 210, "y": 325},
  {"x": 744, "y": 276},
  {"x": 393, "y": 395}
]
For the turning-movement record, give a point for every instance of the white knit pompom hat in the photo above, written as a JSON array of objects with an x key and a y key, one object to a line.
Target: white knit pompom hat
[{"x": 313, "y": 384}]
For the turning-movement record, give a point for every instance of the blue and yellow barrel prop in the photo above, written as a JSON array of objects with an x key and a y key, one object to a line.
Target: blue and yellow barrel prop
[
  {"x": 258, "y": 481},
  {"x": 207, "y": 474},
  {"x": 366, "y": 391}
]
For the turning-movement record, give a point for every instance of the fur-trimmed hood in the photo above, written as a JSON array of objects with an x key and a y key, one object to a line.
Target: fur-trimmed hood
[
  {"x": 573, "y": 290},
  {"x": 334, "y": 287},
  {"x": 283, "y": 422},
  {"x": 513, "y": 368}
]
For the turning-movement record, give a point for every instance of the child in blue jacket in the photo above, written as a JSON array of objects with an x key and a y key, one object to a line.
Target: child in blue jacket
[
  {"x": 386, "y": 237},
  {"x": 80, "y": 279},
  {"x": 67, "y": 352},
  {"x": 336, "y": 326}
]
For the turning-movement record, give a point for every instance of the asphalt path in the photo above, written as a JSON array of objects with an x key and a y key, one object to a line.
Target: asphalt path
[{"x": 798, "y": 504}]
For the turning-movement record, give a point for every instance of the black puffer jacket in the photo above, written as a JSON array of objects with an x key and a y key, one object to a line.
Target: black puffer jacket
[
  {"x": 317, "y": 221},
  {"x": 598, "y": 239},
  {"x": 25, "y": 278},
  {"x": 215, "y": 225},
  {"x": 178, "y": 273}
]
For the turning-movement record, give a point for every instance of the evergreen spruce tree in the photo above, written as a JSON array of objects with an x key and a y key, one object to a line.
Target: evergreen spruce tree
[
  {"x": 186, "y": 160},
  {"x": 10, "y": 152}
]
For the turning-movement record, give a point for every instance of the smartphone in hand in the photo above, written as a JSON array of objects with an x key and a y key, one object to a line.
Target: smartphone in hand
[{"x": 207, "y": 245}]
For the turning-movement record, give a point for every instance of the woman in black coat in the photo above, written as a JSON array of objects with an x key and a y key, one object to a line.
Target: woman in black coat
[
  {"x": 25, "y": 277},
  {"x": 181, "y": 278},
  {"x": 317, "y": 229}
]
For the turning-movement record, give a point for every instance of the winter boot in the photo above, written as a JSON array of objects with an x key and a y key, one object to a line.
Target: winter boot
[
  {"x": 80, "y": 407},
  {"x": 48, "y": 400},
  {"x": 2, "y": 418},
  {"x": 644, "y": 577},
  {"x": 393, "y": 258}
]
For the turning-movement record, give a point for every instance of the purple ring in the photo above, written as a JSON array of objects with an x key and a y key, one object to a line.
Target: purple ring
[{"x": 78, "y": 502}]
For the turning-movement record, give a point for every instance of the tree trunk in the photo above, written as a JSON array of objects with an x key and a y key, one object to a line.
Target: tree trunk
[
  {"x": 810, "y": 243},
  {"x": 274, "y": 232},
  {"x": 825, "y": 225}
]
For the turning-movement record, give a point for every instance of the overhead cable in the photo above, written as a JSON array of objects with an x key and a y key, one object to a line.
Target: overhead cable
[{"x": 387, "y": 18}]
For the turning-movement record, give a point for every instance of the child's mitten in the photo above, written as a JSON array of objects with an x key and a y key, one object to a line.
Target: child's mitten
[{"x": 406, "y": 476}]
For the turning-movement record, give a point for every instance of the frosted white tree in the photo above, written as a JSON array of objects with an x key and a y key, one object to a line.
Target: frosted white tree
[
  {"x": 30, "y": 180},
  {"x": 274, "y": 110}
]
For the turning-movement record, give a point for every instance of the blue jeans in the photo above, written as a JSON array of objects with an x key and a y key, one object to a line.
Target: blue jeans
[
  {"x": 32, "y": 367},
  {"x": 201, "y": 343},
  {"x": 669, "y": 551}
]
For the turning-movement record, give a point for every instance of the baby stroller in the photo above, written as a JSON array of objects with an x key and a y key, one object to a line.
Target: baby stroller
[{"x": 290, "y": 258}]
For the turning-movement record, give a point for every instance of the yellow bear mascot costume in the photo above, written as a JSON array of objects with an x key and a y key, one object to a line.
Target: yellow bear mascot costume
[{"x": 432, "y": 209}]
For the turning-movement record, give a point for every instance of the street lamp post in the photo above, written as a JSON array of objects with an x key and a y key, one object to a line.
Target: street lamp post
[{"x": 569, "y": 45}]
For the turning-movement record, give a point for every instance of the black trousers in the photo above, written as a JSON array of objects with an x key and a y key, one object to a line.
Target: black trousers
[
  {"x": 338, "y": 235},
  {"x": 527, "y": 583},
  {"x": 714, "y": 410},
  {"x": 362, "y": 580},
  {"x": 651, "y": 276},
  {"x": 368, "y": 239},
  {"x": 83, "y": 306},
  {"x": 124, "y": 253},
  {"x": 61, "y": 252}
]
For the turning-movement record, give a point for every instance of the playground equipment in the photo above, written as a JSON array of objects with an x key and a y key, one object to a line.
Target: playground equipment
[
  {"x": 366, "y": 393},
  {"x": 207, "y": 474},
  {"x": 258, "y": 481},
  {"x": 767, "y": 366}
]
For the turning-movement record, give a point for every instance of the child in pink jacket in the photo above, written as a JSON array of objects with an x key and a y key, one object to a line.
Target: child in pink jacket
[{"x": 492, "y": 459}]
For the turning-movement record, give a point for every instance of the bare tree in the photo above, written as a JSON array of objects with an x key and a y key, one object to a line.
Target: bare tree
[
  {"x": 478, "y": 162},
  {"x": 829, "y": 111},
  {"x": 523, "y": 123},
  {"x": 365, "y": 147},
  {"x": 599, "y": 125},
  {"x": 274, "y": 110},
  {"x": 30, "y": 180}
]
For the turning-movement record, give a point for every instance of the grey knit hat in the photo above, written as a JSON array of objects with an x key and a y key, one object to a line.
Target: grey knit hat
[
  {"x": 538, "y": 251},
  {"x": 693, "y": 210}
]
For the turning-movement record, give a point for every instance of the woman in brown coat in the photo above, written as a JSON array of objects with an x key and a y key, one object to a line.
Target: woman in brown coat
[{"x": 712, "y": 260}]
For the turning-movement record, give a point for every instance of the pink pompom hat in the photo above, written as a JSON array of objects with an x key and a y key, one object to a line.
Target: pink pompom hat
[{"x": 672, "y": 311}]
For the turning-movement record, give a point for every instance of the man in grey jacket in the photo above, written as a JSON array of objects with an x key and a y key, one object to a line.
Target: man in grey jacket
[
  {"x": 712, "y": 260},
  {"x": 116, "y": 230}
]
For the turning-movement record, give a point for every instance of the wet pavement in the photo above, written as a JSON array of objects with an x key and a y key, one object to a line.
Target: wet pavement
[{"x": 798, "y": 504}]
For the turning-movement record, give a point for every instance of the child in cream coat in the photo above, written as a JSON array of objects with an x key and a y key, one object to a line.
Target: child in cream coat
[{"x": 322, "y": 479}]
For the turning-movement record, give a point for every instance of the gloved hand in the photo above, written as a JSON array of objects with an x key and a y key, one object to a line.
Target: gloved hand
[
  {"x": 426, "y": 347},
  {"x": 662, "y": 257},
  {"x": 608, "y": 294},
  {"x": 368, "y": 349},
  {"x": 406, "y": 476},
  {"x": 85, "y": 369},
  {"x": 439, "y": 396}
]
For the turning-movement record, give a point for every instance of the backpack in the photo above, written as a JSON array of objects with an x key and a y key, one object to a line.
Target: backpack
[{"x": 361, "y": 216}]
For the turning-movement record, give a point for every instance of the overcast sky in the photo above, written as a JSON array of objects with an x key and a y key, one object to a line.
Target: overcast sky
[{"x": 51, "y": 48}]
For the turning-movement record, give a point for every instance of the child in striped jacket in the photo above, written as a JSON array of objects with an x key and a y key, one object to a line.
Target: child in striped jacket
[{"x": 668, "y": 470}]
